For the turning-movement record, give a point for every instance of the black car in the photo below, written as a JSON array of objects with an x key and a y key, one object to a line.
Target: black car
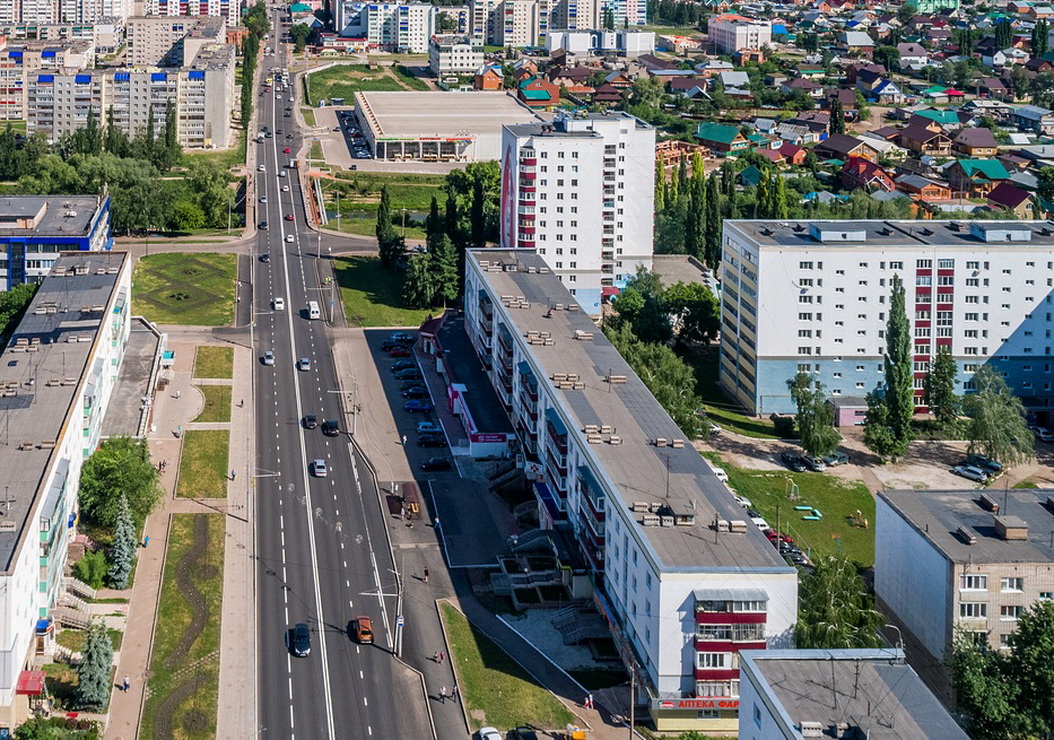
[
  {"x": 436, "y": 463},
  {"x": 310, "y": 421},
  {"x": 388, "y": 344},
  {"x": 431, "y": 439},
  {"x": 265, "y": 257},
  {"x": 416, "y": 391},
  {"x": 410, "y": 373},
  {"x": 263, "y": 224},
  {"x": 330, "y": 428},
  {"x": 523, "y": 733},
  {"x": 403, "y": 365},
  {"x": 793, "y": 461},
  {"x": 299, "y": 640}
]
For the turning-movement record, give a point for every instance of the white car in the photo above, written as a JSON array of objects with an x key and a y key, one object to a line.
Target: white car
[
  {"x": 279, "y": 304},
  {"x": 304, "y": 363},
  {"x": 289, "y": 238},
  {"x": 281, "y": 173},
  {"x": 490, "y": 733},
  {"x": 761, "y": 523},
  {"x": 263, "y": 198},
  {"x": 1042, "y": 434},
  {"x": 285, "y": 188},
  {"x": 721, "y": 474},
  {"x": 318, "y": 468},
  {"x": 261, "y": 168}
]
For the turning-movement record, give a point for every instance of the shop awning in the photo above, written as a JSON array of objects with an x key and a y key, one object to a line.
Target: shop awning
[{"x": 30, "y": 683}]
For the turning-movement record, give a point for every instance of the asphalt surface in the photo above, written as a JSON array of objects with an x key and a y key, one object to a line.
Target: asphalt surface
[{"x": 322, "y": 549}]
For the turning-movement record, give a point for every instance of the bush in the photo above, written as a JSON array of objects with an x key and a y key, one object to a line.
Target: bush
[
  {"x": 783, "y": 426},
  {"x": 92, "y": 568}
]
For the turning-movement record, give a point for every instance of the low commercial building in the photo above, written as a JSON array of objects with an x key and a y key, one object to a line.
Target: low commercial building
[
  {"x": 437, "y": 127},
  {"x": 961, "y": 560},
  {"x": 626, "y": 43},
  {"x": 838, "y": 693},
  {"x": 451, "y": 54},
  {"x": 813, "y": 296},
  {"x": 59, "y": 369},
  {"x": 36, "y": 229},
  {"x": 171, "y": 42},
  {"x": 683, "y": 579},
  {"x": 730, "y": 33}
]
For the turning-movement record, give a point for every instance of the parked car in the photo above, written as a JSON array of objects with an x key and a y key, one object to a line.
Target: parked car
[
  {"x": 760, "y": 523},
  {"x": 1042, "y": 433},
  {"x": 984, "y": 463},
  {"x": 721, "y": 474},
  {"x": 387, "y": 345},
  {"x": 415, "y": 405},
  {"x": 490, "y": 733},
  {"x": 431, "y": 440},
  {"x": 410, "y": 373},
  {"x": 319, "y": 469},
  {"x": 793, "y": 461},
  {"x": 971, "y": 473},
  {"x": 813, "y": 463},
  {"x": 399, "y": 351},
  {"x": 436, "y": 463},
  {"x": 523, "y": 733},
  {"x": 331, "y": 427},
  {"x": 401, "y": 337},
  {"x": 743, "y": 501},
  {"x": 362, "y": 629},
  {"x": 310, "y": 421},
  {"x": 403, "y": 365},
  {"x": 268, "y": 357},
  {"x": 416, "y": 391},
  {"x": 298, "y": 640},
  {"x": 713, "y": 428},
  {"x": 836, "y": 458},
  {"x": 428, "y": 427}
]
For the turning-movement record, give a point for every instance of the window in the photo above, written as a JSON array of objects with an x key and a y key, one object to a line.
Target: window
[
  {"x": 1011, "y": 584},
  {"x": 945, "y": 264},
  {"x": 1010, "y": 613},
  {"x": 711, "y": 660},
  {"x": 973, "y": 265},
  {"x": 973, "y": 610},
  {"x": 924, "y": 264},
  {"x": 1046, "y": 596},
  {"x": 973, "y": 582},
  {"x": 757, "y": 716}
]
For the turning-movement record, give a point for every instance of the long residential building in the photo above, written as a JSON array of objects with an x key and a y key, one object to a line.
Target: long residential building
[
  {"x": 813, "y": 296},
  {"x": 230, "y": 10},
  {"x": 107, "y": 34},
  {"x": 580, "y": 191},
  {"x": 202, "y": 95},
  {"x": 171, "y": 42},
  {"x": 34, "y": 12},
  {"x": 452, "y": 54},
  {"x": 19, "y": 60},
  {"x": 59, "y": 370},
  {"x": 404, "y": 28},
  {"x": 683, "y": 579},
  {"x": 730, "y": 33}
]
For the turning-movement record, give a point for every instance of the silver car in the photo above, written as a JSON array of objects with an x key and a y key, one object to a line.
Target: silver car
[
  {"x": 318, "y": 468},
  {"x": 971, "y": 473}
]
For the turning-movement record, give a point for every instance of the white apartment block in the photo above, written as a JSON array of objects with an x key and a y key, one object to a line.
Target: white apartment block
[
  {"x": 62, "y": 363},
  {"x": 171, "y": 42},
  {"x": 814, "y": 297},
  {"x": 203, "y": 96},
  {"x": 576, "y": 15},
  {"x": 623, "y": 42},
  {"x": 450, "y": 54},
  {"x": 627, "y": 12},
  {"x": 580, "y": 191},
  {"x": 518, "y": 23},
  {"x": 484, "y": 19},
  {"x": 229, "y": 10},
  {"x": 730, "y": 33},
  {"x": 37, "y": 12},
  {"x": 388, "y": 27},
  {"x": 961, "y": 560},
  {"x": 18, "y": 60},
  {"x": 680, "y": 577}
]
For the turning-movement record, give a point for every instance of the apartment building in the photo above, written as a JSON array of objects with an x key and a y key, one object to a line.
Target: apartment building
[
  {"x": 580, "y": 191},
  {"x": 107, "y": 34},
  {"x": 576, "y": 15},
  {"x": 36, "y": 12},
  {"x": 35, "y": 230},
  {"x": 229, "y": 10},
  {"x": 730, "y": 33},
  {"x": 483, "y": 19},
  {"x": 461, "y": 17},
  {"x": 202, "y": 95},
  {"x": 171, "y": 42},
  {"x": 518, "y": 23},
  {"x": 626, "y": 43},
  {"x": 627, "y": 12},
  {"x": 451, "y": 54},
  {"x": 59, "y": 371},
  {"x": 961, "y": 560},
  {"x": 682, "y": 580},
  {"x": 20, "y": 59},
  {"x": 814, "y": 297},
  {"x": 402, "y": 28}
]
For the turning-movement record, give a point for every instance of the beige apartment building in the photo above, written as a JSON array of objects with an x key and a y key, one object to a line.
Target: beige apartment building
[
  {"x": 171, "y": 42},
  {"x": 19, "y": 59}
]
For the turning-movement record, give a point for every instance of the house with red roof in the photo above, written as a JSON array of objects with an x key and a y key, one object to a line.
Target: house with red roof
[
  {"x": 1012, "y": 198},
  {"x": 863, "y": 173},
  {"x": 793, "y": 154}
]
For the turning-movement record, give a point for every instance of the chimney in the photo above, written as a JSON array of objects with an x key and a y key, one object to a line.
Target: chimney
[{"x": 1011, "y": 527}]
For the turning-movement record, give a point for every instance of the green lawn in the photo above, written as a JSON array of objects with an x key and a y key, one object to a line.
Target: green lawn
[
  {"x": 409, "y": 79},
  {"x": 837, "y": 500},
  {"x": 217, "y": 403},
  {"x": 495, "y": 689},
  {"x": 309, "y": 116},
  {"x": 673, "y": 30},
  {"x": 717, "y": 405},
  {"x": 214, "y": 362},
  {"x": 185, "y": 661},
  {"x": 360, "y": 193},
  {"x": 18, "y": 127},
  {"x": 373, "y": 296},
  {"x": 344, "y": 80},
  {"x": 73, "y": 639},
  {"x": 203, "y": 464},
  {"x": 226, "y": 158},
  {"x": 316, "y": 151},
  {"x": 175, "y": 288}
]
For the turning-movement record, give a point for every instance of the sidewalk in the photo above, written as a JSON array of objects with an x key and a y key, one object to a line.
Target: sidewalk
[{"x": 236, "y": 705}]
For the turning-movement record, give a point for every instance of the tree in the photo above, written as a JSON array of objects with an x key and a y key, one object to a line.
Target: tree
[
  {"x": 419, "y": 287},
  {"x": 122, "y": 552},
  {"x": 1033, "y": 667},
  {"x": 93, "y": 672},
  {"x": 476, "y": 218},
  {"x": 389, "y": 245},
  {"x": 712, "y": 245},
  {"x": 433, "y": 223},
  {"x": 609, "y": 18},
  {"x": 878, "y": 437},
  {"x": 837, "y": 123},
  {"x": 888, "y": 57},
  {"x": 695, "y": 313},
  {"x": 444, "y": 269},
  {"x": 906, "y": 12},
  {"x": 899, "y": 395},
  {"x": 778, "y": 207},
  {"x": 1040, "y": 38},
  {"x": 997, "y": 426},
  {"x": 640, "y": 306},
  {"x": 1046, "y": 184},
  {"x": 940, "y": 387},
  {"x": 1004, "y": 34},
  {"x": 299, "y": 34},
  {"x": 120, "y": 466},
  {"x": 835, "y": 610},
  {"x": 815, "y": 416},
  {"x": 13, "y": 305}
]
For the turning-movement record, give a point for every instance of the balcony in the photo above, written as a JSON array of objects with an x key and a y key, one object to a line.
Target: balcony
[
  {"x": 524, "y": 210},
  {"x": 527, "y": 170},
  {"x": 528, "y": 178}
]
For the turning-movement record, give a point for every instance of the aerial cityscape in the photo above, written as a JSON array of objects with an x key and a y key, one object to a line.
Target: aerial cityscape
[{"x": 526, "y": 369}]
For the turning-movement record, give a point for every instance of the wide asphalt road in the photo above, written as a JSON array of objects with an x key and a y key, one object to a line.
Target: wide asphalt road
[{"x": 322, "y": 549}]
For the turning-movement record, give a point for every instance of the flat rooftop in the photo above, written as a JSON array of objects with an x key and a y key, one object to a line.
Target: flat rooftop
[
  {"x": 881, "y": 234},
  {"x": 57, "y": 220},
  {"x": 872, "y": 690},
  {"x": 938, "y": 516},
  {"x": 415, "y": 115},
  {"x": 63, "y": 323},
  {"x": 679, "y": 268},
  {"x": 636, "y": 470}
]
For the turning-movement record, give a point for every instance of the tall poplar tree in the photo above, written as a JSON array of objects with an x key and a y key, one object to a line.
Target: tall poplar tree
[
  {"x": 712, "y": 248},
  {"x": 887, "y": 428}
]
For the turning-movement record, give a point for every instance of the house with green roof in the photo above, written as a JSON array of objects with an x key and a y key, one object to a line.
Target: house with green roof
[
  {"x": 537, "y": 92},
  {"x": 976, "y": 177},
  {"x": 942, "y": 117},
  {"x": 721, "y": 139}
]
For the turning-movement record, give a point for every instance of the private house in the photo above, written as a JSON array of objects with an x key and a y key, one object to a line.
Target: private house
[
  {"x": 721, "y": 139},
  {"x": 856, "y": 44},
  {"x": 888, "y": 92},
  {"x": 489, "y": 77},
  {"x": 619, "y": 80},
  {"x": 923, "y": 188},
  {"x": 1012, "y": 198},
  {"x": 975, "y": 142},
  {"x": 802, "y": 86},
  {"x": 913, "y": 56},
  {"x": 793, "y": 154},
  {"x": 689, "y": 87},
  {"x": 863, "y": 173},
  {"x": 842, "y": 147},
  {"x": 1033, "y": 118},
  {"x": 607, "y": 95},
  {"x": 538, "y": 93},
  {"x": 976, "y": 177},
  {"x": 570, "y": 77},
  {"x": 925, "y": 140}
]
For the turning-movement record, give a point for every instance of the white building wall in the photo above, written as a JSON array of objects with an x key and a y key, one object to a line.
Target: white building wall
[
  {"x": 730, "y": 33},
  {"x": 518, "y": 23}
]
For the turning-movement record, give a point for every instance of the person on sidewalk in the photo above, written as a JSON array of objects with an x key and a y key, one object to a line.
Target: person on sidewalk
[
  {"x": 426, "y": 575},
  {"x": 126, "y": 684},
  {"x": 146, "y": 540},
  {"x": 442, "y": 694},
  {"x": 442, "y": 656}
]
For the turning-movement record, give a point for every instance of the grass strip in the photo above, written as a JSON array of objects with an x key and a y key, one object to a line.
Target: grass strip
[
  {"x": 217, "y": 404},
  {"x": 213, "y": 362},
  {"x": 203, "y": 464}
]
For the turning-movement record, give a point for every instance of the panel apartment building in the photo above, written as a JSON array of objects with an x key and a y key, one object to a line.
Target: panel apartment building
[
  {"x": 730, "y": 33},
  {"x": 403, "y": 28},
  {"x": 36, "y": 12},
  {"x": 18, "y": 60},
  {"x": 58, "y": 374},
  {"x": 580, "y": 191},
  {"x": 171, "y": 42},
  {"x": 680, "y": 577},
  {"x": 814, "y": 297},
  {"x": 229, "y": 10}
]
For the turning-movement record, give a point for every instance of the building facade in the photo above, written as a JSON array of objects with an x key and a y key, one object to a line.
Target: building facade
[
  {"x": 576, "y": 15},
  {"x": 171, "y": 42},
  {"x": 814, "y": 297},
  {"x": 450, "y": 54},
  {"x": 71, "y": 342},
  {"x": 37, "y": 12},
  {"x": 19, "y": 60},
  {"x": 229, "y": 10},
  {"x": 682, "y": 580},
  {"x": 730, "y": 33},
  {"x": 518, "y": 23},
  {"x": 623, "y": 42},
  {"x": 387, "y": 26},
  {"x": 580, "y": 191}
]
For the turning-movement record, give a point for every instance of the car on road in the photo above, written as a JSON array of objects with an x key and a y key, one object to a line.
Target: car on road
[
  {"x": 970, "y": 473},
  {"x": 263, "y": 198},
  {"x": 266, "y": 256},
  {"x": 289, "y": 238},
  {"x": 330, "y": 427},
  {"x": 362, "y": 629},
  {"x": 285, "y": 188},
  {"x": 298, "y": 640},
  {"x": 263, "y": 225},
  {"x": 318, "y": 468},
  {"x": 278, "y": 303},
  {"x": 261, "y": 168},
  {"x": 523, "y": 733},
  {"x": 287, "y": 150},
  {"x": 268, "y": 357},
  {"x": 490, "y": 733},
  {"x": 984, "y": 463},
  {"x": 310, "y": 421},
  {"x": 428, "y": 427},
  {"x": 304, "y": 363},
  {"x": 281, "y": 173},
  {"x": 399, "y": 351},
  {"x": 289, "y": 217},
  {"x": 416, "y": 391},
  {"x": 415, "y": 405},
  {"x": 793, "y": 461},
  {"x": 815, "y": 464},
  {"x": 436, "y": 463},
  {"x": 836, "y": 458},
  {"x": 1042, "y": 433},
  {"x": 431, "y": 439}
]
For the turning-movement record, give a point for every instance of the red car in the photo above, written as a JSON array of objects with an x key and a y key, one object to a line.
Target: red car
[
  {"x": 286, "y": 150},
  {"x": 289, "y": 217},
  {"x": 398, "y": 352}
]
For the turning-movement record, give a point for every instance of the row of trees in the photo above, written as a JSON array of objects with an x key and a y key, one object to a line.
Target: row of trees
[
  {"x": 258, "y": 24},
  {"x": 432, "y": 275}
]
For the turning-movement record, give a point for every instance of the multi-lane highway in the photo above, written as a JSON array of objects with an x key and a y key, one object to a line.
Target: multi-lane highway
[{"x": 323, "y": 556}]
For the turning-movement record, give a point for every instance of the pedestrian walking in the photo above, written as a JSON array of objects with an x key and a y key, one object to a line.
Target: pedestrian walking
[
  {"x": 454, "y": 692},
  {"x": 435, "y": 657},
  {"x": 442, "y": 694},
  {"x": 146, "y": 540},
  {"x": 404, "y": 440},
  {"x": 426, "y": 575},
  {"x": 442, "y": 656},
  {"x": 126, "y": 684},
  {"x": 179, "y": 395},
  {"x": 234, "y": 473}
]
